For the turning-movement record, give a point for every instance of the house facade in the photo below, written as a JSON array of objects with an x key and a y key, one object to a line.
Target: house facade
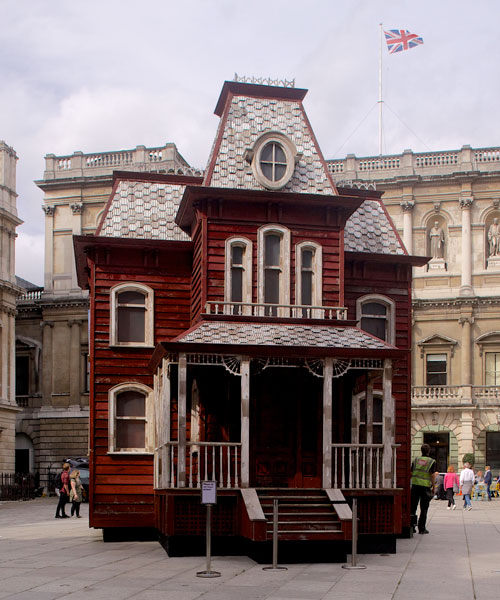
[
  {"x": 446, "y": 205},
  {"x": 250, "y": 327},
  {"x": 9, "y": 291}
]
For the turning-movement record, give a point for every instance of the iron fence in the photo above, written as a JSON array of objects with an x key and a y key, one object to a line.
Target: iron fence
[{"x": 18, "y": 486}]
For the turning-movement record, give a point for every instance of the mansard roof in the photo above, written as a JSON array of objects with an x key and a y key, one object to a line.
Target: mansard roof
[
  {"x": 249, "y": 112},
  {"x": 144, "y": 206}
]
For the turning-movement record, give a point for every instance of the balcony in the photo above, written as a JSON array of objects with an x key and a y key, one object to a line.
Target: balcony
[
  {"x": 282, "y": 311},
  {"x": 422, "y": 396}
]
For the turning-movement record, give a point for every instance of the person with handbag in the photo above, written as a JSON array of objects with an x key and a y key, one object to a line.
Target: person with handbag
[
  {"x": 466, "y": 483},
  {"x": 423, "y": 471},
  {"x": 451, "y": 487}
]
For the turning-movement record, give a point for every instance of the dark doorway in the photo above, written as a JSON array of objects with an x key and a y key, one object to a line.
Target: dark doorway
[
  {"x": 493, "y": 450},
  {"x": 440, "y": 446},
  {"x": 22, "y": 461},
  {"x": 286, "y": 428}
]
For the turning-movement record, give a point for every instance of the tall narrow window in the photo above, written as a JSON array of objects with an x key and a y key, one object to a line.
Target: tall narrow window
[
  {"x": 274, "y": 269},
  {"x": 131, "y": 315},
  {"x": 308, "y": 275},
  {"x": 375, "y": 315},
  {"x": 492, "y": 372},
  {"x": 238, "y": 277},
  {"x": 435, "y": 369},
  {"x": 130, "y": 422}
]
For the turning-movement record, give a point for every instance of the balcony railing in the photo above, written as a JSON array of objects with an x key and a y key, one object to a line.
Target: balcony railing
[
  {"x": 409, "y": 163},
  {"x": 204, "y": 461},
  {"x": 455, "y": 394},
  {"x": 295, "y": 311},
  {"x": 361, "y": 466}
]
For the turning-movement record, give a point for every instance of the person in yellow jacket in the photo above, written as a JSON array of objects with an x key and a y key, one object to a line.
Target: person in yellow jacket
[{"x": 423, "y": 471}]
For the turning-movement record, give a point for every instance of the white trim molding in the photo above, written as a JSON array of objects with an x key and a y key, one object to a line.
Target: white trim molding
[
  {"x": 148, "y": 419},
  {"x": 148, "y": 293}
]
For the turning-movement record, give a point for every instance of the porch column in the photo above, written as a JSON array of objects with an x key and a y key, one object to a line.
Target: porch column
[
  {"x": 181, "y": 458},
  {"x": 388, "y": 423},
  {"x": 369, "y": 412},
  {"x": 245, "y": 421},
  {"x": 164, "y": 417},
  {"x": 327, "y": 422}
]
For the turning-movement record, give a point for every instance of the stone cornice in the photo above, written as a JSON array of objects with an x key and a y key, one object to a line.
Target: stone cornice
[{"x": 456, "y": 302}]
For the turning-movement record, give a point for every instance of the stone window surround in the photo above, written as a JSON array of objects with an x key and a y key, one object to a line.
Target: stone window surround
[
  {"x": 149, "y": 433},
  {"x": 488, "y": 342},
  {"x": 291, "y": 155},
  {"x": 437, "y": 344},
  {"x": 149, "y": 314},
  {"x": 247, "y": 245},
  {"x": 317, "y": 270},
  {"x": 390, "y": 306},
  {"x": 284, "y": 291}
]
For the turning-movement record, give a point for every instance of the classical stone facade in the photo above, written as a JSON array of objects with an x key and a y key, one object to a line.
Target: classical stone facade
[
  {"x": 446, "y": 205},
  {"x": 9, "y": 291},
  {"x": 52, "y": 324}
]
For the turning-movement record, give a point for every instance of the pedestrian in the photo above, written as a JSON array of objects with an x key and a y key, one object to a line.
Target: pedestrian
[
  {"x": 466, "y": 483},
  {"x": 451, "y": 485},
  {"x": 76, "y": 493},
  {"x": 63, "y": 493},
  {"x": 423, "y": 469},
  {"x": 487, "y": 480}
]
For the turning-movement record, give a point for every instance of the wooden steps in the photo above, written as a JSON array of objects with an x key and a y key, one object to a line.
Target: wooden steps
[{"x": 303, "y": 514}]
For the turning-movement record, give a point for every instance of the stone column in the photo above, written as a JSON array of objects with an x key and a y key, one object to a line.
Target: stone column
[
  {"x": 388, "y": 412},
  {"x": 407, "y": 206},
  {"x": 327, "y": 422},
  {"x": 77, "y": 209},
  {"x": 181, "y": 459},
  {"x": 75, "y": 363},
  {"x": 466, "y": 322},
  {"x": 49, "y": 247},
  {"x": 47, "y": 366},
  {"x": 245, "y": 421},
  {"x": 466, "y": 284},
  {"x": 465, "y": 442}
]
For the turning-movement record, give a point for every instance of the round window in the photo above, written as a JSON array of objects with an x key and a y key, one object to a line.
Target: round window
[{"x": 274, "y": 160}]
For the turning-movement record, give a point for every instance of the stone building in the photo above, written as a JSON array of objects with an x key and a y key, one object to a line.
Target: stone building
[
  {"x": 9, "y": 291},
  {"x": 52, "y": 323},
  {"x": 446, "y": 205}
]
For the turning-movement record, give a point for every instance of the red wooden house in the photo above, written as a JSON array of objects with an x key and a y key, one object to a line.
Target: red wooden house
[{"x": 251, "y": 327}]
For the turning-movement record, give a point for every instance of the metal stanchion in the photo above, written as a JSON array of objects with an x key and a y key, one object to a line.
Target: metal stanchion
[
  {"x": 354, "y": 557},
  {"x": 208, "y": 573},
  {"x": 275, "y": 566}
]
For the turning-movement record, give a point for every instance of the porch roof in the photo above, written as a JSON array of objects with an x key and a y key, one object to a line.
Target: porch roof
[{"x": 277, "y": 339}]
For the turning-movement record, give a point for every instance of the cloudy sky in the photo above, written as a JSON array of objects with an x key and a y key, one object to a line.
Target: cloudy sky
[{"x": 105, "y": 75}]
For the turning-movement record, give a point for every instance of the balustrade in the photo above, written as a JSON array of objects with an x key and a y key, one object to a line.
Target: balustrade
[
  {"x": 360, "y": 466},
  {"x": 295, "y": 311},
  {"x": 205, "y": 461}
]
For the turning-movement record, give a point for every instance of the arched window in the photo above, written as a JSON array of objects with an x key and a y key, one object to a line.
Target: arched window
[
  {"x": 130, "y": 418},
  {"x": 131, "y": 322},
  {"x": 238, "y": 278},
  {"x": 308, "y": 277},
  {"x": 274, "y": 269},
  {"x": 375, "y": 315}
]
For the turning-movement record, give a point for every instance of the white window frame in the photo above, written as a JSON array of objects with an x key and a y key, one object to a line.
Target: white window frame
[
  {"x": 149, "y": 411},
  {"x": 247, "y": 246},
  {"x": 391, "y": 317},
  {"x": 289, "y": 150},
  {"x": 317, "y": 278},
  {"x": 284, "y": 287},
  {"x": 488, "y": 343},
  {"x": 148, "y": 314}
]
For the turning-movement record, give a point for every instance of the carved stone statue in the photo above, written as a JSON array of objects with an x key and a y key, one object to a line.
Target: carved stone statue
[
  {"x": 494, "y": 238},
  {"x": 437, "y": 240}
]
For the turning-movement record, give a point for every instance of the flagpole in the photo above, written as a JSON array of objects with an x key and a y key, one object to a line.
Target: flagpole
[{"x": 380, "y": 101}]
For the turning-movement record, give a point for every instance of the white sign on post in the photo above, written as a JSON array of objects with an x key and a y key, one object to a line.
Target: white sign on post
[{"x": 209, "y": 492}]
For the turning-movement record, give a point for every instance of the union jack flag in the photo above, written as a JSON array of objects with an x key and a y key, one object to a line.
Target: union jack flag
[{"x": 401, "y": 39}]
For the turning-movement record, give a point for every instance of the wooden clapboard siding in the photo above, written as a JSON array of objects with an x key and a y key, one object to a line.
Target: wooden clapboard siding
[{"x": 122, "y": 484}]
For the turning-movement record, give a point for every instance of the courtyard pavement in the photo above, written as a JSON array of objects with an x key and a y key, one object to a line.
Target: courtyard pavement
[{"x": 42, "y": 558}]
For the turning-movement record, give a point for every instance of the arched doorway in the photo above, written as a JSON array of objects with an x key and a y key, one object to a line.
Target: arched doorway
[{"x": 24, "y": 454}]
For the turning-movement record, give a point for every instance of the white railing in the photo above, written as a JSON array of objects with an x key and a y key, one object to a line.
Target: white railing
[
  {"x": 295, "y": 311},
  {"x": 361, "y": 466},
  {"x": 204, "y": 461},
  {"x": 35, "y": 295},
  {"x": 441, "y": 162},
  {"x": 436, "y": 393}
]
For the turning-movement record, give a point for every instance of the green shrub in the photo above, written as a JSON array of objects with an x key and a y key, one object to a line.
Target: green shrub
[{"x": 469, "y": 457}]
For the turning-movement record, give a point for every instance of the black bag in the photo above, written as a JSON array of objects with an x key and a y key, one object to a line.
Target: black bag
[{"x": 58, "y": 481}]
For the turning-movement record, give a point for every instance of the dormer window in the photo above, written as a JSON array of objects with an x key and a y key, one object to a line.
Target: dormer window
[{"x": 273, "y": 159}]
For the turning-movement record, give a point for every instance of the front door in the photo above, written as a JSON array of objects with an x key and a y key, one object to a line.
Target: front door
[{"x": 286, "y": 428}]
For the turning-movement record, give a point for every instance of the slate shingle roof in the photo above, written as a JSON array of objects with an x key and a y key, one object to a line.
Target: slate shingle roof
[
  {"x": 264, "y": 334},
  {"x": 144, "y": 210},
  {"x": 248, "y": 119},
  {"x": 369, "y": 230}
]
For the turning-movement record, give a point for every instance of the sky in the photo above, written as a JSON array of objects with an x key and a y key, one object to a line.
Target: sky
[{"x": 104, "y": 75}]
